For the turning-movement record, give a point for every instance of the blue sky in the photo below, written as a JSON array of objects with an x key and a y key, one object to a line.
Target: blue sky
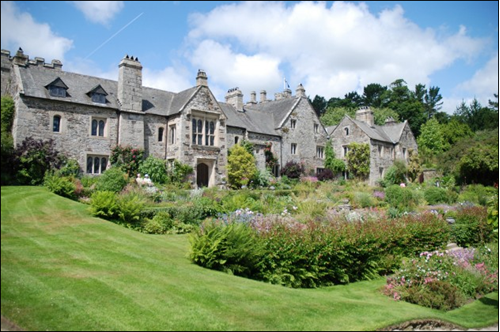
[{"x": 332, "y": 48}]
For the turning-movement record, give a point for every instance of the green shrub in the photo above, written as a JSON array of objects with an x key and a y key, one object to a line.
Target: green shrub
[
  {"x": 240, "y": 167},
  {"x": 130, "y": 207},
  {"x": 436, "y": 195},
  {"x": 178, "y": 173},
  {"x": 33, "y": 158},
  {"x": 113, "y": 179},
  {"x": 362, "y": 200},
  {"x": 104, "y": 204},
  {"x": 471, "y": 227},
  {"x": 128, "y": 159},
  {"x": 156, "y": 168},
  {"x": 436, "y": 295},
  {"x": 477, "y": 194},
  {"x": 70, "y": 168},
  {"x": 61, "y": 186},
  {"x": 402, "y": 198},
  {"x": 159, "y": 224},
  {"x": 396, "y": 174},
  {"x": 231, "y": 248},
  {"x": 89, "y": 181},
  {"x": 320, "y": 253},
  {"x": 292, "y": 170}
]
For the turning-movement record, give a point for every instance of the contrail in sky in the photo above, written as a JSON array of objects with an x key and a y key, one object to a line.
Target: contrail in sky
[{"x": 113, "y": 36}]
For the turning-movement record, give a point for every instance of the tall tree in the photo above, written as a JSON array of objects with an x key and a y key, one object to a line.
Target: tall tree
[
  {"x": 319, "y": 105},
  {"x": 430, "y": 142},
  {"x": 476, "y": 116},
  {"x": 334, "y": 115},
  {"x": 420, "y": 92},
  {"x": 373, "y": 95},
  {"x": 432, "y": 101}
]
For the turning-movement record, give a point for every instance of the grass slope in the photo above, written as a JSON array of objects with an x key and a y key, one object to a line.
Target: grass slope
[{"x": 62, "y": 269}]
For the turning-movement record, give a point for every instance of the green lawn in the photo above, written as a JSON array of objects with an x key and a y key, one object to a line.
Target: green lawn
[{"x": 63, "y": 269}]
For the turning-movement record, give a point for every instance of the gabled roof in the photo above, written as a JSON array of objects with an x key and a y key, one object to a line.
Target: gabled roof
[
  {"x": 279, "y": 109},
  {"x": 250, "y": 119},
  {"x": 35, "y": 79},
  {"x": 57, "y": 82},
  {"x": 97, "y": 89},
  {"x": 387, "y": 133}
]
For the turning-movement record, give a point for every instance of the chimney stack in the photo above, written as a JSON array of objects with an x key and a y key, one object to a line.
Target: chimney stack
[
  {"x": 235, "y": 97},
  {"x": 263, "y": 96},
  {"x": 253, "y": 97},
  {"x": 130, "y": 84},
  {"x": 300, "y": 91},
  {"x": 201, "y": 78},
  {"x": 365, "y": 114}
]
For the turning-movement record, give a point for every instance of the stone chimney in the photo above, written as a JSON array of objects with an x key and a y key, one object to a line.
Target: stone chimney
[
  {"x": 263, "y": 96},
  {"x": 20, "y": 58},
  {"x": 300, "y": 91},
  {"x": 253, "y": 97},
  {"x": 365, "y": 114},
  {"x": 130, "y": 84},
  {"x": 390, "y": 121},
  {"x": 201, "y": 78},
  {"x": 235, "y": 97}
]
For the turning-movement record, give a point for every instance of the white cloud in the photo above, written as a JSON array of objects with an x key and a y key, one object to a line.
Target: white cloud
[
  {"x": 484, "y": 82},
  {"x": 229, "y": 69},
  {"x": 331, "y": 50},
  {"x": 481, "y": 86},
  {"x": 169, "y": 79},
  {"x": 36, "y": 39},
  {"x": 101, "y": 12}
]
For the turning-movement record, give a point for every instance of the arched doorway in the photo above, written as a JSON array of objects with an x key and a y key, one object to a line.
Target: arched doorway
[{"x": 202, "y": 175}]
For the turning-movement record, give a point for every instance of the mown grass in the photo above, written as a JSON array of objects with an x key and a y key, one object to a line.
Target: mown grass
[{"x": 63, "y": 269}]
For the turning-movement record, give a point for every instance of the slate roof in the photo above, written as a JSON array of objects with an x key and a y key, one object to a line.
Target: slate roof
[
  {"x": 387, "y": 133},
  {"x": 264, "y": 118},
  {"x": 34, "y": 81}
]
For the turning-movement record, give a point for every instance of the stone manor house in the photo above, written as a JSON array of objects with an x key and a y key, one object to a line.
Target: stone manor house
[{"x": 88, "y": 116}]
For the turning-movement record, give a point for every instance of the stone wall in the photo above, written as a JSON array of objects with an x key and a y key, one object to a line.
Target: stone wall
[
  {"x": 304, "y": 136},
  {"x": 153, "y": 146},
  {"x": 34, "y": 118},
  {"x": 204, "y": 106}
]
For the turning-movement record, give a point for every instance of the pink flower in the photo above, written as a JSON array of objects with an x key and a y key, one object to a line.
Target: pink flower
[{"x": 402, "y": 185}]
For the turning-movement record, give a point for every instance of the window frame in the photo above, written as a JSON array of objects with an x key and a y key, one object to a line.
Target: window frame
[
  {"x": 293, "y": 123},
  {"x": 98, "y": 98},
  {"x": 96, "y": 161},
  {"x": 172, "y": 133},
  {"x": 316, "y": 128},
  {"x": 203, "y": 130},
  {"x": 161, "y": 134},
  {"x": 293, "y": 149},
  {"x": 57, "y": 116},
  {"x": 345, "y": 150},
  {"x": 320, "y": 152},
  {"x": 57, "y": 91},
  {"x": 100, "y": 128}
]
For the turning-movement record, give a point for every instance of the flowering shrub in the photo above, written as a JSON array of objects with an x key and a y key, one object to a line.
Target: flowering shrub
[
  {"x": 127, "y": 158},
  {"x": 319, "y": 253},
  {"x": 444, "y": 280},
  {"x": 292, "y": 170},
  {"x": 471, "y": 227}
]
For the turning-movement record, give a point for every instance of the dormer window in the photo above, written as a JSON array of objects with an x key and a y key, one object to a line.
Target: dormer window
[
  {"x": 57, "y": 88},
  {"x": 99, "y": 98},
  {"x": 98, "y": 95}
]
